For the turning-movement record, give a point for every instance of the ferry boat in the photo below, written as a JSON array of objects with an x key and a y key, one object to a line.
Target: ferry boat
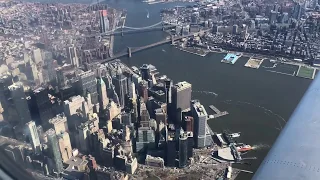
[{"x": 244, "y": 148}]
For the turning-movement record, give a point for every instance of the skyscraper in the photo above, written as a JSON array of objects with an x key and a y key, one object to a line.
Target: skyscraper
[
  {"x": 88, "y": 84},
  {"x": 32, "y": 133},
  {"x": 104, "y": 21},
  {"x": 83, "y": 132},
  {"x": 44, "y": 104},
  {"x": 181, "y": 95},
  {"x": 20, "y": 102},
  {"x": 171, "y": 152},
  {"x": 144, "y": 115},
  {"x": 64, "y": 146},
  {"x": 144, "y": 90},
  {"x": 120, "y": 84},
  {"x": 183, "y": 149},
  {"x": 145, "y": 72},
  {"x": 200, "y": 121},
  {"x": 102, "y": 94},
  {"x": 146, "y": 139},
  {"x": 49, "y": 66},
  {"x": 273, "y": 17},
  {"x": 5, "y": 82},
  {"x": 54, "y": 150},
  {"x": 59, "y": 123},
  {"x": 73, "y": 56},
  {"x": 235, "y": 29}
]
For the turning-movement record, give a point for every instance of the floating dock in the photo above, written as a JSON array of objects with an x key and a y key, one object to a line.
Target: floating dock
[
  {"x": 254, "y": 63},
  {"x": 218, "y": 112},
  {"x": 231, "y": 58}
]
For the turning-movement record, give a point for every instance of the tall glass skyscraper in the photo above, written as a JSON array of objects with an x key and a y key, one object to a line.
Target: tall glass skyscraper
[
  {"x": 33, "y": 135},
  {"x": 54, "y": 150}
]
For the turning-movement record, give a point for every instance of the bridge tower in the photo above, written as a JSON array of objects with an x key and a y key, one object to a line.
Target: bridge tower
[
  {"x": 172, "y": 40},
  {"x": 129, "y": 52},
  {"x": 163, "y": 26}
]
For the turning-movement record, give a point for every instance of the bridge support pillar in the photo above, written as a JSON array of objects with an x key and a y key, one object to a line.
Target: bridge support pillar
[
  {"x": 172, "y": 40},
  {"x": 129, "y": 52},
  {"x": 121, "y": 31}
]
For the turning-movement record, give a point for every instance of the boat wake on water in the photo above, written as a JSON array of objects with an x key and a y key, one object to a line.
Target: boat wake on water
[
  {"x": 266, "y": 111},
  {"x": 260, "y": 146},
  {"x": 206, "y": 92}
]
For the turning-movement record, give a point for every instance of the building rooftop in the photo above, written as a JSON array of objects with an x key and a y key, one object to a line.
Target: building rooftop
[
  {"x": 59, "y": 118},
  {"x": 182, "y": 85},
  {"x": 76, "y": 161}
]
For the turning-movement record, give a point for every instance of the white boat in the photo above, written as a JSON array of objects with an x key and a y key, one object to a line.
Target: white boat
[{"x": 235, "y": 135}]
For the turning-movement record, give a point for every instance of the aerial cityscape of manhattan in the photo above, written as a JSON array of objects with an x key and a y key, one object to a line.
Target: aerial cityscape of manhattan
[{"x": 159, "y": 89}]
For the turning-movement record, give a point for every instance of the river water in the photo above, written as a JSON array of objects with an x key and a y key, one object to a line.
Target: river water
[{"x": 259, "y": 102}]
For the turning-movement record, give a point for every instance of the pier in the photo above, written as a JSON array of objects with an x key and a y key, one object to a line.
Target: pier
[
  {"x": 218, "y": 113},
  {"x": 231, "y": 58}
]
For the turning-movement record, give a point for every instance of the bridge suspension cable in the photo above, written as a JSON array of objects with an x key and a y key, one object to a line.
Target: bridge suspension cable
[{"x": 146, "y": 27}]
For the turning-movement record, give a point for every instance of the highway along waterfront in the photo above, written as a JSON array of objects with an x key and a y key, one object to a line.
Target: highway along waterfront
[{"x": 259, "y": 102}]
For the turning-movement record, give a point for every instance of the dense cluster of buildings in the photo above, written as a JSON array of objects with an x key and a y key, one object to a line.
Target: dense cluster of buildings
[
  {"x": 106, "y": 120},
  {"x": 36, "y": 38},
  {"x": 283, "y": 28}
]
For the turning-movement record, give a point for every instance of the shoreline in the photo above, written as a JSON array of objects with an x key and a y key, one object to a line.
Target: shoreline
[{"x": 194, "y": 53}]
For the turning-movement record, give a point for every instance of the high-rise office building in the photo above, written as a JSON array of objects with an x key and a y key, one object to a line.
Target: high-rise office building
[
  {"x": 190, "y": 144},
  {"x": 59, "y": 123},
  {"x": 83, "y": 132},
  {"x": 189, "y": 123},
  {"x": 104, "y": 21},
  {"x": 132, "y": 89},
  {"x": 54, "y": 150},
  {"x": 5, "y": 82},
  {"x": 235, "y": 29},
  {"x": 171, "y": 152},
  {"x": 181, "y": 95},
  {"x": 65, "y": 146},
  {"x": 200, "y": 121},
  {"x": 144, "y": 115},
  {"x": 112, "y": 110},
  {"x": 88, "y": 84},
  {"x": 102, "y": 94},
  {"x": 73, "y": 56},
  {"x": 183, "y": 149},
  {"x": 120, "y": 85},
  {"x": 144, "y": 90},
  {"x": 273, "y": 17},
  {"x": 50, "y": 66},
  {"x": 145, "y": 72},
  {"x": 168, "y": 88},
  {"x": 126, "y": 118},
  {"x": 20, "y": 102},
  {"x": 146, "y": 139},
  {"x": 61, "y": 78},
  {"x": 44, "y": 104},
  {"x": 297, "y": 11},
  {"x": 37, "y": 56},
  {"x": 32, "y": 133}
]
